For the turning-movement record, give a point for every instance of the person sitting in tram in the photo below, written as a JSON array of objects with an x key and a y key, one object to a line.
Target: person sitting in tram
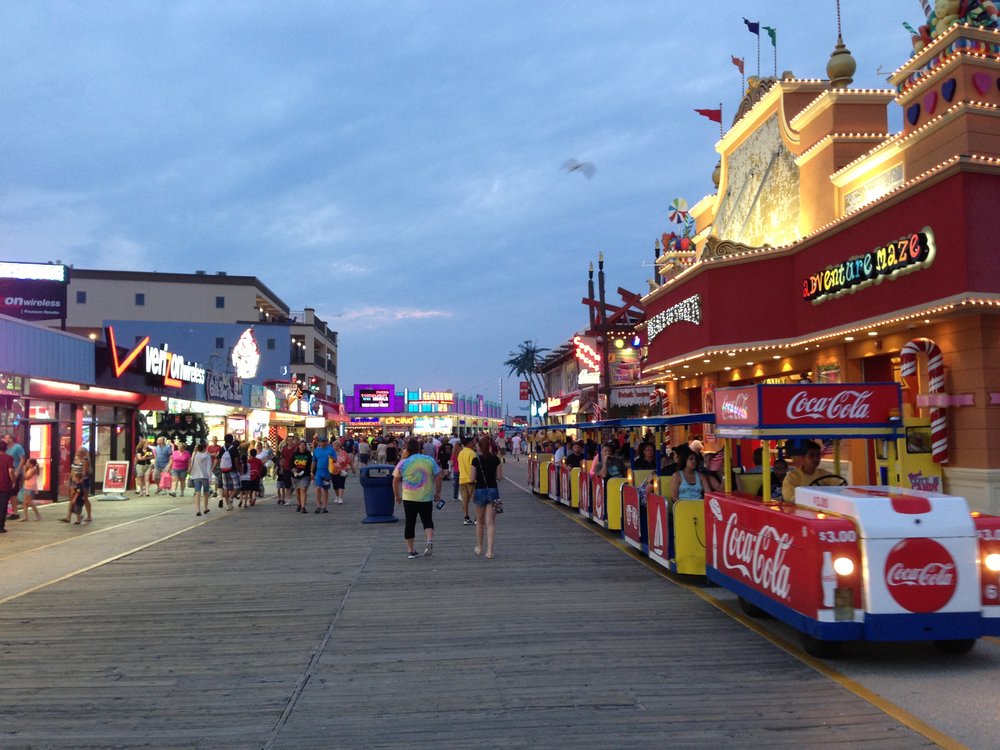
[
  {"x": 646, "y": 458},
  {"x": 609, "y": 465},
  {"x": 778, "y": 473},
  {"x": 575, "y": 458},
  {"x": 807, "y": 472},
  {"x": 691, "y": 480},
  {"x": 668, "y": 466}
]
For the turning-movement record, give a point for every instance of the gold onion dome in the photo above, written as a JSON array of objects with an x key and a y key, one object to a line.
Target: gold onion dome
[{"x": 717, "y": 174}]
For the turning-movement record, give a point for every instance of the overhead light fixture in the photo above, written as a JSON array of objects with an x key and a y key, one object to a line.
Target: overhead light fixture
[
  {"x": 873, "y": 333},
  {"x": 848, "y": 338},
  {"x": 707, "y": 361},
  {"x": 775, "y": 356},
  {"x": 727, "y": 369},
  {"x": 749, "y": 364}
]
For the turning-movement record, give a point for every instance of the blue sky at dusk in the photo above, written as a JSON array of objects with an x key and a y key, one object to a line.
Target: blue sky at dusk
[{"x": 395, "y": 165}]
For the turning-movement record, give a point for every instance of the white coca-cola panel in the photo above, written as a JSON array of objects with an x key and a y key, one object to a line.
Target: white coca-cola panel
[
  {"x": 893, "y": 513},
  {"x": 921, "y": 575}
]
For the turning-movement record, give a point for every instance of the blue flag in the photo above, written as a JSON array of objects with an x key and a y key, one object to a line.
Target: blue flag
[{"x": 753, "y": 26}]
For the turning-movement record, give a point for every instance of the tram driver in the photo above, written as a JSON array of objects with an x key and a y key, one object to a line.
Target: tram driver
[{"x": 803, "y": 475}]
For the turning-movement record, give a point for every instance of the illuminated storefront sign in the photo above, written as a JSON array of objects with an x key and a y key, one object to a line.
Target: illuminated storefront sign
[
  {"x": 374, "y": 398},
  {"x": 33, "y": 291},
  {"x": 685, "y": 311},
  {"x": 11, "y": 385},
  {"x": 246, "y": 355},
  {"x": 909, "y": 253},
  {"x": 397, "y": 421},
  {"x": 159, "y": 362},
  {"x": 587, "y": 352}
]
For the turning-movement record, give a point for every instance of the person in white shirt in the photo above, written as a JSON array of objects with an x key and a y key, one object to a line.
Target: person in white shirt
[{"x": 515, "y": 444}]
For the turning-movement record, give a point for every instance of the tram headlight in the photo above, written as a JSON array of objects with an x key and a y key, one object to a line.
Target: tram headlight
[
  {"x": 992, "y": 562},
  {"x": 843, "y": 566}
]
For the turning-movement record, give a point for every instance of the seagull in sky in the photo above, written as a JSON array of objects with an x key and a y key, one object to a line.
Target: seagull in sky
[{"x": 584, "y": 167}]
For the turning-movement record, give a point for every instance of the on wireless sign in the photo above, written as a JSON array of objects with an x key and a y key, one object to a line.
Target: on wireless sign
[{"x": 909, "y": 253}]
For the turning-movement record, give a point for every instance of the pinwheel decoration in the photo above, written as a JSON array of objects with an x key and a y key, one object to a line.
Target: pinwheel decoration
[{"x": 678, "y": 211}]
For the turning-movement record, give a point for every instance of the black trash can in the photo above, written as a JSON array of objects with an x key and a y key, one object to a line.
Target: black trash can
[{"x": 376, "y": 481}]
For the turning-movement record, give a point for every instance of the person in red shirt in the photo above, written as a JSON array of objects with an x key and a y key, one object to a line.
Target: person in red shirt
[
  {"x": 255, "y": 468},
  {"x": 6, "y": 483},
  {"x": 285, "y": 454}
]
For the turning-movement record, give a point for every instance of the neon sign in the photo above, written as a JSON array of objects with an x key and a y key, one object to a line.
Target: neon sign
[
  {"x": 160, "y": 363},
  {"x": 905, "y": 255},
  {"x": 587, "y": 352},
  {"x": 246, "y": 355},
  {"x": 685, "y": 311}
]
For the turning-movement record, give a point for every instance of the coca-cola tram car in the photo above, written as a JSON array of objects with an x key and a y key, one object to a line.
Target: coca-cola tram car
[{"x": 849, "y": 562}]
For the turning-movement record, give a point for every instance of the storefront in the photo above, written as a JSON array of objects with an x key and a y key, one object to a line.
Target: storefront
[
  {"x": 50, "y": 403},
  {"x": 862, "y": 257}
]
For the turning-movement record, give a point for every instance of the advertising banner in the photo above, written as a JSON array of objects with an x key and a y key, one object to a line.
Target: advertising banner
[
  {"x": 829, "y": 404},
  {"x": 637, "y": 396},
  {"x": 33, "y": 291},
  {"x": 658, "y": 524},
  {"x": 116, "y": 476},
  {"x": 224, "y": 387},
  {"x": 525, "y": 391}
]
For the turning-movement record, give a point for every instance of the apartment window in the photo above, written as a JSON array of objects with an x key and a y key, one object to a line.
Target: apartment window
[
  {"x": 220, "y": 303},
  {"x": 220, "y": 343},
  {"x": 81, "y": 298},
  {"x": 270, "y": 345},
  {"x": 140, "y": 299}
]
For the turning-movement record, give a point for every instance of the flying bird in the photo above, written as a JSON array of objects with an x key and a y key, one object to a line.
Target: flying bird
[{"x": 584, "y": 167}]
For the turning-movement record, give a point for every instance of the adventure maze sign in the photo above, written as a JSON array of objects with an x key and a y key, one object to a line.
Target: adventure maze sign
[{"x": 909, "y": 253}]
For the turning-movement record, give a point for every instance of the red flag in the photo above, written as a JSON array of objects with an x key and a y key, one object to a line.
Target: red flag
[
  {"x": 715, "y": 115},
  {"x": 738, "y": 62}
]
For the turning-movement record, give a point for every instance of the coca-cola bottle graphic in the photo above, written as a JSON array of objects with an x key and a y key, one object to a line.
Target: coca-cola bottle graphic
[
  {"x": 715, "y": 548},
  {"x": 828, "y": 579}
]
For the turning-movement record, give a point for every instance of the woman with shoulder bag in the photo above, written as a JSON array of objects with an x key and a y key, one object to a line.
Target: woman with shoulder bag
[
  {"x": 143, "y": 467},
  {"x": 487, "y": 470}
]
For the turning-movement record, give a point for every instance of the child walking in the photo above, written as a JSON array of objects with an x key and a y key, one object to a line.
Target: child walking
[{"x": 30, "y": 488}]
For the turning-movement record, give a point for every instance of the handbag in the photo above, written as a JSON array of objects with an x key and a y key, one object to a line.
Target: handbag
[{"x": 497, "y": 502}]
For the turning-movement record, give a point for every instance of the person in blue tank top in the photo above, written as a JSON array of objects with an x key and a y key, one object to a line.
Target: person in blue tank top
[{"x": 689, "y": 483}]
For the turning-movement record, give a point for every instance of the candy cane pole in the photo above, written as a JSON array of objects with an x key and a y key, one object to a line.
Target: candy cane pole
[{"x": 935, "y": 377}]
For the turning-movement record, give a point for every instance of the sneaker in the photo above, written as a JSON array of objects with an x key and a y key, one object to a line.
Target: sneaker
[
  {"x": 220, "y": 503},
  {"x": 318, "y": 510},
  {"x": 325, "y": 510},
  {"x": 468, "y": 522},
  {"x": 339, "y": 501},
  {"x": 429, "y": 550},
  {"x": 198, "y": 514},
  {"x": 413, "y": 555}
]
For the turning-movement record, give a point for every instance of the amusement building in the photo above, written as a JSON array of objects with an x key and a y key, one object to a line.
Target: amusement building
[{"x": 836, "y": 251}]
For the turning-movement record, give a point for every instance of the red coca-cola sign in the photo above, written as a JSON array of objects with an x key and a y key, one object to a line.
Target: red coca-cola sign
[
  {"x": 829, "y": 404},
  {"x": 736, "y": 406},
  {"x": 921, "y": 575}
]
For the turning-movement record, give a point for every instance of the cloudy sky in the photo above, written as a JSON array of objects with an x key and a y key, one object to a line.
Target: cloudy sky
[{"x": 395, "y": 165}]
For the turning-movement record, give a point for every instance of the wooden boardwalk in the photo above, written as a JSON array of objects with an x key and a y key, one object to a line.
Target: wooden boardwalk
[{"x": 266, "y": 628}]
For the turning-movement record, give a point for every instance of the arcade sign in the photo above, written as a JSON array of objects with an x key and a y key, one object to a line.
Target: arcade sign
[
  {"x": 907, "y": 254},
  {"x": 375, "y": 398},
  {"x": 157, "y": 362}
]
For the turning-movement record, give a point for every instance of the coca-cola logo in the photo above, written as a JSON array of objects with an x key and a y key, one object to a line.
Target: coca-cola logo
[
  {"x": 921, "y": 575},
  {"x": 848, "y": 405},
  {"x": 632, "y": 517},
  {"x": 759, "y": 556},
  {"x": 736, "y": 409},
  {"x": 599, "y": 499}
]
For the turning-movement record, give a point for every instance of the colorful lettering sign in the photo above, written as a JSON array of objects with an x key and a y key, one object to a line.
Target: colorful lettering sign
[
  {"x": 224, "y": 387},
  {"x": 907, "y": 254}
]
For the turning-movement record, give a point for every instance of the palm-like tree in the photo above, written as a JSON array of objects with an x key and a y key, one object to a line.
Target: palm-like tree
[{"x": 524, "y": 363}]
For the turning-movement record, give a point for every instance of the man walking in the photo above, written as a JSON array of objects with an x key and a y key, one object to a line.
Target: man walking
[
  {"x": 231, "y": 467},
  {"x": 6, "y": 483},
  {"x": 161, "y": 461},
  {"x": 466, "y": 485},
  {"x": 16, "y": 451},
  {"x": 322, "y": 455}
]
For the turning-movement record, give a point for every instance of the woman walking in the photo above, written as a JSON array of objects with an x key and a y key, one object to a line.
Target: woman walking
[
  {"x": 416, "y": 482},
  {"x": 201, "y": 475},
  {"x": 301, "y": 462},
  {"x": 79, "y": 487},
  {"x": 344, "y": 462},
  {"x": 30, "y": 487},
  {"x": 180, "y": 461},
  {"x": 487, "y": 469},
  {"x": 143, "y": 468}
]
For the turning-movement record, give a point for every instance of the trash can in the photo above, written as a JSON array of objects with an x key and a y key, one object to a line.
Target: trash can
[{"x": 376, "y": 481}]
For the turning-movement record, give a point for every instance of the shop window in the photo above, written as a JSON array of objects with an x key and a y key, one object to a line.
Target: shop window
[
  {"x": 220, "y": 343},
  {"x": 220, "y": 303},
  {"x": 140, "y": 299},
  {"x": 81, "y": 298}
]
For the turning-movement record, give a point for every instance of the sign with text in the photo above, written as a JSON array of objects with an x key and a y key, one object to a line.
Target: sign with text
[
  {"x": 116, "y": 476},
  {"x": 907, "y": 254},
  {"x": 374, "y": 399},
  {"x": 525, "y": 391},
  {"x": 224, "y": 387},
  {"x": 33, "y": 291}
]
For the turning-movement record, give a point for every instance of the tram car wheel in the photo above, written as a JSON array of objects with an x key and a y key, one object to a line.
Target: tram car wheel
[
  {"x": 819, "y": 648},
  {"x": 752, "y": 610},
  {"x": 956, "y": 646}
]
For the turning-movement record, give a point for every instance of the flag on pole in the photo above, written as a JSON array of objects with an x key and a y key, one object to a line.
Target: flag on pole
[
  {"x": 715, "y": 115},
  {"x": 773, "y": 33},
  {"x": 738, "y": 62},
  {"x": 752, "y": 26}
]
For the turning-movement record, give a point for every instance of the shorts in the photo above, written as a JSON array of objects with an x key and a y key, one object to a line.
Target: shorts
[
  {"x": 484, "y": 497},
  {"x": 230, "y": 480},
  {"x": 285, "y": 479},
  {"x": 301, "y": 483},
  {"x": 339, "y": 481},
  {"x": 200, "y": 486},
  {"x": 323, "y": 481},
  {"x": 80, "y": 492},
  {"x": 363, "y": 457},
  {"x": 246, "y": 485},
  {"x": 179, "y": 474},
  {"x": 467, "y": 491}
]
